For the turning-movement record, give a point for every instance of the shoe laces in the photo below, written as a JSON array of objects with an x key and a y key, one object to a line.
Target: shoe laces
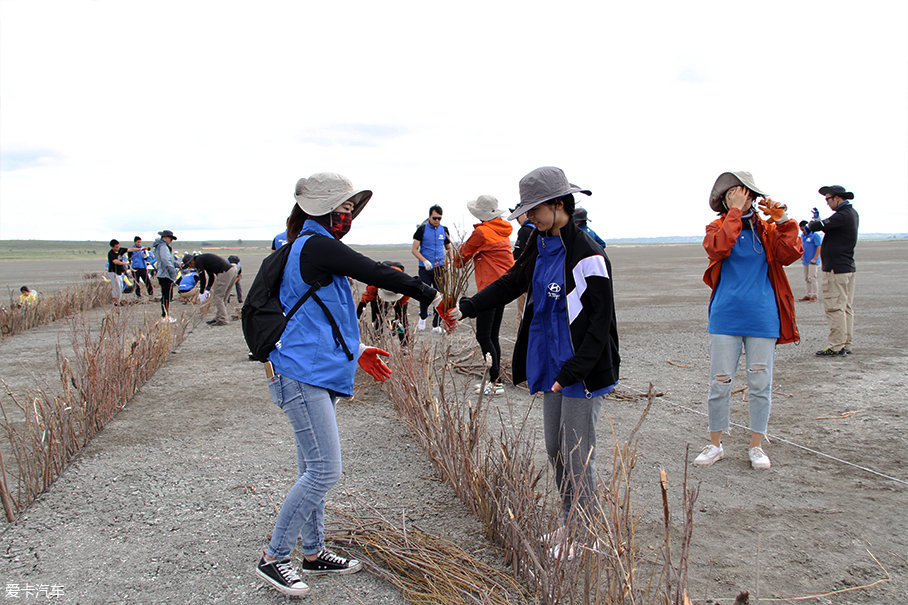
[
  {"x": 757, "y": 452},
  {"x": 285, "y": 568},
  {"x": 330, "y": 557},
  {"x": 708, "y": 449}
]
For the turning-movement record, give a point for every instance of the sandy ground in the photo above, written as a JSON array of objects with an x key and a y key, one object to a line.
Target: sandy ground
[{"x": 173, "y": 500}]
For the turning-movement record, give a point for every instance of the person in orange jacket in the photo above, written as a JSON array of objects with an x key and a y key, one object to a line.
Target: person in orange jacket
[
  {"x": 490, "y": 248},
  {"x": 751, "y": 307}
]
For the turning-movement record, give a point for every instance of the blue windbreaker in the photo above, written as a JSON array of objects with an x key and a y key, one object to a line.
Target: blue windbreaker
[{"x": 549, "y": 344}]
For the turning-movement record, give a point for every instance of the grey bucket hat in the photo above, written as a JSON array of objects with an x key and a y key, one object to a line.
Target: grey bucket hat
[
  {"x": 726, "y": 181},
  {"x": 485, "y": 208},
  {"x": 541, "y": 185},
  {"x": 581, "y": 215},
  {"x": 322, "y": 192}
]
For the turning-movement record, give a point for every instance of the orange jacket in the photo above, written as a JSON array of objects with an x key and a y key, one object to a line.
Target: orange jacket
[
  {"x": 782, "y": 243},
  {"x": 490, "y": 248}
]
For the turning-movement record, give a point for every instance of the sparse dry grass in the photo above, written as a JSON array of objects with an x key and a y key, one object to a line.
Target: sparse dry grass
[
  {"x": 497, "y": 477},
  {"x": 44, "y": 430},
  {"x": 85, "y": 295}
]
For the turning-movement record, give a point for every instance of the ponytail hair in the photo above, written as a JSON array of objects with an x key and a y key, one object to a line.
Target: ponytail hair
[{"x": 295, "y": 223}]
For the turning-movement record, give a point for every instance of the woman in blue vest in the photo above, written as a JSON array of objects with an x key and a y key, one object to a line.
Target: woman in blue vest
[
  {"x": 314, "y": 363},
  {"x": 567, "y": 343}
]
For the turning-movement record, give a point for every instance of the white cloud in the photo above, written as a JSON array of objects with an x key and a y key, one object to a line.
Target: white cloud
[{"x": 201, "y": 116}]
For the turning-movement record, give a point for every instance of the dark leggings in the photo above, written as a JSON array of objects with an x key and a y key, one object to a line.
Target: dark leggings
[
  {"x": 488, "y": 324},
  {"x": 142, "y": 276},
  {"x": 166, "y": 294},
  {"x": 430, "y": 279}
]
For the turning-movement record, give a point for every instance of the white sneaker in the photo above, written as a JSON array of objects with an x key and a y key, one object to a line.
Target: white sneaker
[
  {"x": 758, "y": 458},
  {"x": 709, "y": 455},
  {"x": 436, "y": 330},
  {"x": 490, "y": 389},
  {"x": 572, "y": 548},
  {"x": 555, "y": 537},
  {"x": 421, "y": 325}
]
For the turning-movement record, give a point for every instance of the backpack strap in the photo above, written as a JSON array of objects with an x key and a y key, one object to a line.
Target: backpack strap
[{"x": 311, "y": 293}]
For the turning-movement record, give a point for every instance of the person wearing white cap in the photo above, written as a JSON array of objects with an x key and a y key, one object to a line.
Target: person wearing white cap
[
  {"x": 567, "y": 343},
  {"x": 314, "y": 363},
  {"x": 489, "y": 247},
  {"x": 751, "y": 307}
]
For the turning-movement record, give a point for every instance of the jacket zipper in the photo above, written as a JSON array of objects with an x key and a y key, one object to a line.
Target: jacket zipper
[{"x": 586, "y": 391}]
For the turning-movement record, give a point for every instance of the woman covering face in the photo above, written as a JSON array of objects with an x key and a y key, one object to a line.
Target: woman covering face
[{"x": 751, "y": 308}]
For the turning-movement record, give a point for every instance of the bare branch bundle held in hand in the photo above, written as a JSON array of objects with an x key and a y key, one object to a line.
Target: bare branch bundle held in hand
[{"x": 453, "y": 277}]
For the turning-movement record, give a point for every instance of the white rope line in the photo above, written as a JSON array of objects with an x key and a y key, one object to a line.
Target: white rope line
[
  {"x": 776, "y": 437},
  {"x": 788, "y": 442}
]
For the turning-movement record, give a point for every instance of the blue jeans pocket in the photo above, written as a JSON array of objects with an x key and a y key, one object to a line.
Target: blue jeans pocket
[{"x": 277, "y": 394}]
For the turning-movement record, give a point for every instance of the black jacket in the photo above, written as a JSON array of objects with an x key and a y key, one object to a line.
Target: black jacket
[
  {"x": 594, "y": 330},
  {"x": 837, "y": 251}
]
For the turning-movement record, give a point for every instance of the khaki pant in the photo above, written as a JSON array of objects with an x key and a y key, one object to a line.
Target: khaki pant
[
  {"x": 222, "y": 284},
  {"x": 810, "y": 276},
  {"x": 838, "y": 296}
]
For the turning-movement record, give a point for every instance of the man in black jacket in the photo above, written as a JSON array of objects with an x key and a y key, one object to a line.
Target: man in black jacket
[
  {"x": 837, "y": 257},
  {"x": 216, "y": 276}
]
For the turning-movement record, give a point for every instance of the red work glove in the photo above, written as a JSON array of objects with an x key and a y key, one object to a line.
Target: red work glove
[
  {"x": 374, "y": 366},
  {"x": 449, "y": 317},
  {"x": 772, "y": 209}
]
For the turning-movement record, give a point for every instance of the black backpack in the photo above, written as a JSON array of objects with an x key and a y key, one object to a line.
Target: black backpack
[{"x": 263, "y": 317}]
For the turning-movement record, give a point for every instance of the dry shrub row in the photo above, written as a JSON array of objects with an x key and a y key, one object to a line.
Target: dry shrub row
[
  {"x": 497, "y": 477},
  {"x": 45, "y": 430},
  {"x": 75, "y": 299}
]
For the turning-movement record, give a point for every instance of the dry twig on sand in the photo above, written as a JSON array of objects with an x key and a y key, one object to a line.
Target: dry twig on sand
[{"x": 427, "y": 569}]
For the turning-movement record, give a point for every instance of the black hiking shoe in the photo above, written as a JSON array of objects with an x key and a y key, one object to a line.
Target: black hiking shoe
[
  {"x": 827, "y": 352},
  {"x": 281, "y": 576},
  {"x": 329, "y": 563}
]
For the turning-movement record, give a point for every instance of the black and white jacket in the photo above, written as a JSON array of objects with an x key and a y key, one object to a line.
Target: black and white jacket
[{"x": 591, "y": 310}]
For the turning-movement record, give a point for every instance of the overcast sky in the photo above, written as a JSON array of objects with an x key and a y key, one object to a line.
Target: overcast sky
[{"x": 121, "y": 117}]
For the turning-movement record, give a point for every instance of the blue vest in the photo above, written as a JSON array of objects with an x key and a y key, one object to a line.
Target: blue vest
[
  {"x": 188, "y": 281},
  {"x": 432, "y": 245},
  {"x": 307, "y": 350},
  {"x": 138, "y": 259}
]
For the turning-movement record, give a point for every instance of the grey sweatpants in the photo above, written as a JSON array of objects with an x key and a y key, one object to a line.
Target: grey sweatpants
[{"x": 569, "y": 424}]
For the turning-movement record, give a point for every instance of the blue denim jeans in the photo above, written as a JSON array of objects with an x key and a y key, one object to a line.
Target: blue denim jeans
[
  {"x": 311, "y": 411},
  {"x": 724, "y": 353}
]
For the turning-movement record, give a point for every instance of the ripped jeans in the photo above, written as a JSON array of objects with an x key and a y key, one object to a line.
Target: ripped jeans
[{"x": 724, "y": 353}]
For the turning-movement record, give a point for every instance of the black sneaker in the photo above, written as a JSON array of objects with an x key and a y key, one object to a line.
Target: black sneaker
[
  {"x": 329, "y": 563},
  {"x": 282, "y": 577},
  {"x": 846, "y": 351},
  {"x": 827, "y": 352},
  {"x": 210, "y": 321}
]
